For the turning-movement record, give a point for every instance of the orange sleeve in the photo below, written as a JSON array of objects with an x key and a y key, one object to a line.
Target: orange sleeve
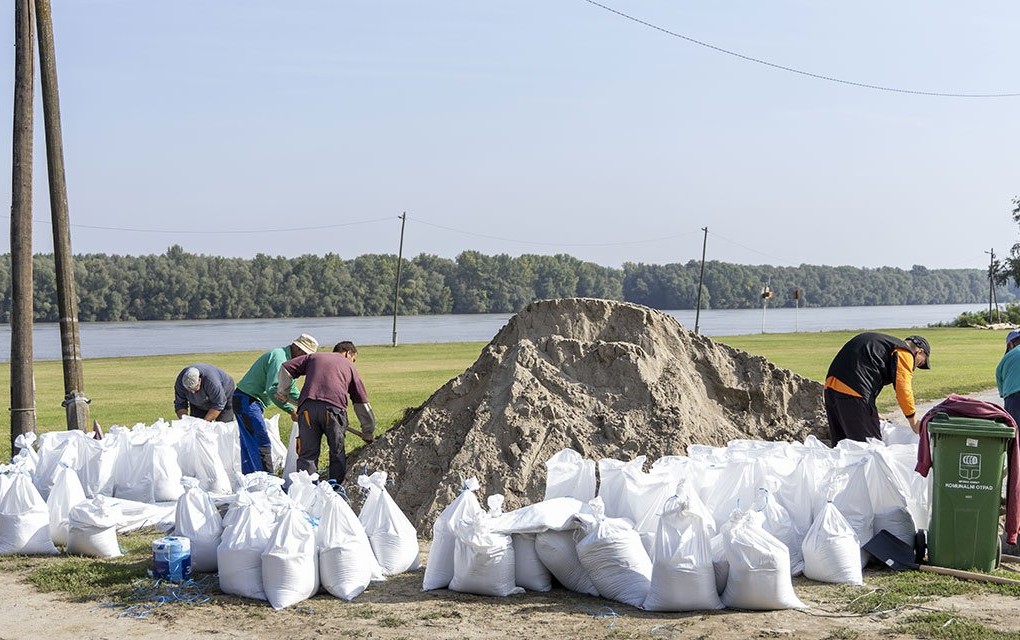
[{"x": 904, "y": 382}]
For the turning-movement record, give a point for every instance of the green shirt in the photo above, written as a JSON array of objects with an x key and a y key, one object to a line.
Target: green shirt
[{"x": 260, "y": 381}]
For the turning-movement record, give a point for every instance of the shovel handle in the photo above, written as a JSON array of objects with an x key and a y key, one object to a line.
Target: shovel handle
[{"x": 968, "y": 575}]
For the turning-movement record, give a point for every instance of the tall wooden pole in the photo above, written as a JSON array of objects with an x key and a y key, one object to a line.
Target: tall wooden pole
[
  {"x": 396, "y": 285},
  {"x": 701, "y": 280},
  {"x": 22, "y": 370},
  {"x": 70, "y": 342}
]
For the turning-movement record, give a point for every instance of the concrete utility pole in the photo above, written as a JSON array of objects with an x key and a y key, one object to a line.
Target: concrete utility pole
[
  {"x": 396, "y": 285},
  {"x": 75, "y": 401},
  {"x": 701, "y": 280},
  {"x": 991, "y": 282},
  {"x": 22, "y": 369}
]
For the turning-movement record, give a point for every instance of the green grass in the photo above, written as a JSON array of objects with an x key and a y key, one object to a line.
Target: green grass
[
  {"x": 126, "y": 391},
  {"x": 963, "y": 360},
  {"x": 944, "y": 625},
  {"x": 140, "y": 389}
]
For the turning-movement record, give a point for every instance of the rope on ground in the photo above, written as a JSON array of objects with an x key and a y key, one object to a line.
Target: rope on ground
[{"x": 147, "y": 595}]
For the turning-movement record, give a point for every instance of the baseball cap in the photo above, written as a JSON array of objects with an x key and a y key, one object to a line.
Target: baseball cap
[
  {"x": 923, "y": 345},
  {"x": 1013, "y": 335}
]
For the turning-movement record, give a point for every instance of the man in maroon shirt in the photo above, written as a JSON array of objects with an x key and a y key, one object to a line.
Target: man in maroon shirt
[{"x": 330, "y": 381}]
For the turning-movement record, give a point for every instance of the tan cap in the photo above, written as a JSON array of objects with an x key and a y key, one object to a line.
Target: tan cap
[{"x": 306, "y": 343}]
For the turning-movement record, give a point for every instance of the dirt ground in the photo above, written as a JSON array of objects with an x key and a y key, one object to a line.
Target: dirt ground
[{"x": 398, "y": 608}]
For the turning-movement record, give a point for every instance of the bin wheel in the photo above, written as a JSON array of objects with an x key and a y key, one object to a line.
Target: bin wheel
[{"x": 920, "y": 546}]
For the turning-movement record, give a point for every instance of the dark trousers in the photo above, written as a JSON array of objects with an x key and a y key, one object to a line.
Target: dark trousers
[
  {"x": 317, "y": 419},
  {"x": 850, "y": 417},
  {"x": 227, "y": 415}
]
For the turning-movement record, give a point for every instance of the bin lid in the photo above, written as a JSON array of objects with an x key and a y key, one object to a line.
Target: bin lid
[{"x": 957, "y": 425}]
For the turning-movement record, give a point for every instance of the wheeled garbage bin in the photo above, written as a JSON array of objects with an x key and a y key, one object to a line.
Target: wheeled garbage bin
[{"x": 968, "y": 456}]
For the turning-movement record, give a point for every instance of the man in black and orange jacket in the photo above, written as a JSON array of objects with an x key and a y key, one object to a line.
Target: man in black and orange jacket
[{"x": 865, "y": 364}]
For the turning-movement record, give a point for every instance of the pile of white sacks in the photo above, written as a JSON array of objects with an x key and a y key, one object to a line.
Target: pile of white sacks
[
  {"x": 78, "y": 492},
  {"x": 720, "y": 527}
]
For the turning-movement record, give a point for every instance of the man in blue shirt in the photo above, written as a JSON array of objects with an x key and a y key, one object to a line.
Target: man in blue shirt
[
  {"x": 204, "y": 391},
  {"x": 1007, "y": 375}
]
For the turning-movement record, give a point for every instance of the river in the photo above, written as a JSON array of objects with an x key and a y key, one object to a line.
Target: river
[{"x": 115, "y": 339}]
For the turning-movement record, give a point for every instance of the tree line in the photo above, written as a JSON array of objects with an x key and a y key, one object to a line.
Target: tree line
[{"x": 178, "y": 285}]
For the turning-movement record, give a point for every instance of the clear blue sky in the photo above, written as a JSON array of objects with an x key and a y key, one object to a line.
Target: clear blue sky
[{"x": 534, "y": 127}]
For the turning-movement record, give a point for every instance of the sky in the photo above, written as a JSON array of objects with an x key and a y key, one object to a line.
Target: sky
[{"x": 239, "y": 127}]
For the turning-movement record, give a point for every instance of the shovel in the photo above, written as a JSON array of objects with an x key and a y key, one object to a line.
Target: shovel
[{"x": 899, "y": 556}]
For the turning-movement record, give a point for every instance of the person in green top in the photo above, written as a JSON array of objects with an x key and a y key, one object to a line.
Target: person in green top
[{"x": 253, "y": 394}]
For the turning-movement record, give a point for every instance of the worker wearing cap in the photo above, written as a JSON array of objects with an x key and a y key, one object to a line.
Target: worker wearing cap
[
  {"x": 866, "y": 364},
  {"x": 1007, "y": 375},
  {"x": 205, "y": 391},
  {"x": 255, "y": 391},
  {"x": 331, "y": 381}
]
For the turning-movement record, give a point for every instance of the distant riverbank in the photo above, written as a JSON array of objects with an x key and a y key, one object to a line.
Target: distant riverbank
[{"x": 116, "y": 339}]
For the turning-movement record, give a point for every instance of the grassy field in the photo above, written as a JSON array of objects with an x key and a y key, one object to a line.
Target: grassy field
[{"x": 126, "y": 391}]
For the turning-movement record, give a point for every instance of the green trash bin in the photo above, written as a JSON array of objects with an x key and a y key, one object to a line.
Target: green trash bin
[{"x": 968, "y": 456}]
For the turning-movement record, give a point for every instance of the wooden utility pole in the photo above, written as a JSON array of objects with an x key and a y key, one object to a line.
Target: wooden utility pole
[
  {"x": 396, "y": 285},
  {"x": 991, "y": 281},
  {"x": 22, "y": 369},
  {"x": 701, "y": 280},
  {"x": 75, "y": 401}
]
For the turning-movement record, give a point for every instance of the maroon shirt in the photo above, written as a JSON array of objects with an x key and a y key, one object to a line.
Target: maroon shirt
[{"x": 329, "y": 377}]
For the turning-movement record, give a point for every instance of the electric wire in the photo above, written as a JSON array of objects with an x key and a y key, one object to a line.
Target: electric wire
[
  {"x": 554, "y": 244},
  {"x": 809, "y": 74},
  {"x": 217, "y": 232}
]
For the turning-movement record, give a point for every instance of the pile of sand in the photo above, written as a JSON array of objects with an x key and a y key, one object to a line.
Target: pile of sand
[{"x": 608, "y": 379}]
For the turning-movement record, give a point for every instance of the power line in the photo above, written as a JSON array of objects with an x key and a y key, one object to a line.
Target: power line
[
  {"x": 817, "y": 76},
  {"x": 219, "y": 232},
  {"x": 554, "y": 244}
]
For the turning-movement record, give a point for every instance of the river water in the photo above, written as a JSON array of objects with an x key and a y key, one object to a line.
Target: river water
[{"x": 116, "y": 339}]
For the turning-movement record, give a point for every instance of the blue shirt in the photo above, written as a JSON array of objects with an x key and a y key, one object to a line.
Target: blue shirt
[{"x": 214, "y": 393}]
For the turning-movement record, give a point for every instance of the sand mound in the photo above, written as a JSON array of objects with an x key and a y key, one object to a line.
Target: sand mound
[{"x": 607, "y": 379}]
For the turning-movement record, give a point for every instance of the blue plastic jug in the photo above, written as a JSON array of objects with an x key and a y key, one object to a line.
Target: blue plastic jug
[{"x": 171, "y": 559}]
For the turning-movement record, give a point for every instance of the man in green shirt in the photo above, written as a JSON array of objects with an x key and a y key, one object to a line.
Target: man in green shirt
[{"x": 254, "y": 393}]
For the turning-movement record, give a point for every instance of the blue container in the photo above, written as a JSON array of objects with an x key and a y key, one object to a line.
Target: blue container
[{"x": 171, "y": 559}]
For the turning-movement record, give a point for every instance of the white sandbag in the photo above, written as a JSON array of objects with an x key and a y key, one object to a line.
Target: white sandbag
[
  {"x": 736, "y": 488},
  {"x": 832, "y": 549},
  {"x": 683, "y": 576},
  {"x": 198, "y": 520},
  {"x": 777, "y": 521},
  {"x": 93, "y": 528},
  {"x": 612, "y": 553},
  {"x": 239, "y": 556},
  {"x": 56, "y": 448},
  {"x": 483, "y": 561},
  {"x": 554, "y": 514},
  {"x": 290, "y": 463},
  {"x": 346, "y": 562},
  {"x": 199, "y": 457},
  {"x": 290, "y": 563},
  {"x": 888, "y": 499},
  {"x": 646, "y": 493},
  {"x": 98, "y": 463},
  {"x": 759, "y": 570},
  {"x": 65, "y": 493},
  {"x": 278, "y": 450},
  {"x": 393, "y": 538},
  {"x": 529, "y": 572},
  {"x": 148, "y": 470},
  {"x": 24, "y": 519},
  {"x": 613, "y": 484},
  {"x": 686, "y": 494},
  {"x": 848, "y": 491},
  {"x": 26, "y": 458},
  {"x": 893, "y": 433},
  {"x": 569, "y": 475},
  {"x": 303, "y": 490},
  {"x": 788, "y": 478},
  {"x": 558, "y": 552},
  {"x": 464, "y": 508}
]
